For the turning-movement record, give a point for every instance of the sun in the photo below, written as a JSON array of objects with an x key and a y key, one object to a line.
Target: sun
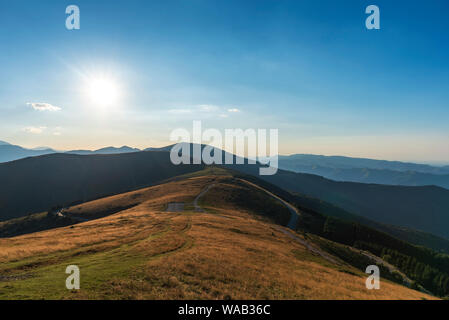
[{"x": 103, "y": 91}]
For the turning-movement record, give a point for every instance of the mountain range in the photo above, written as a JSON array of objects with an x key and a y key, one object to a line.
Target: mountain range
[
  {"x": 340, "y": 162},
  {"x": 367, "y": 170},
  {"x": 9, "y": 152},
  {"x": 336, "y": 168}
]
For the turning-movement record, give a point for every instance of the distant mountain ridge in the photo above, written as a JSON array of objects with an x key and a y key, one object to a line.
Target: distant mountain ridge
[
  {"x": 9, "y": 152},
  {"x": 106, "y": 150},
  {"x": 366, "y": 175},
  {"x": 367, "y": 170},
  {"x": 166, "y": 148},
  {"x": 341, "y": 162},
  {"x": 302, "y": 160}
]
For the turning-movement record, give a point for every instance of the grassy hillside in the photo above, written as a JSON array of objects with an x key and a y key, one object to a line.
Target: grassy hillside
[
  {"x": 36, "y": 184},
  {"x": 429, "y": 268},
  {"x": 309, "y": 203},
  {"x": 229, "y": 250}
]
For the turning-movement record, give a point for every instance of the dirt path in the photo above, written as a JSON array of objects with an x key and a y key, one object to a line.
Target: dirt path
[
  {"x": 202, "y": 193},
  {"x": 308, "y": 245},
  {"x": 294, "y": 213},
  {"x": 292, "y": 225}
]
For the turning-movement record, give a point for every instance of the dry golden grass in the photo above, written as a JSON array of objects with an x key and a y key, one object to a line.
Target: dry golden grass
[{"x": 144, "y": 252}]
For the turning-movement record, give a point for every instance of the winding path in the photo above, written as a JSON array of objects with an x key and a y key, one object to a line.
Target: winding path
[
  {"x": 294, "y": 213},
  {"x": 202, "y": 193},
  {"x": 292, "y": 225}
]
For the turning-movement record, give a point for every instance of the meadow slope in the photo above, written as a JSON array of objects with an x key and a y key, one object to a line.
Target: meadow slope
[{"x": 232, "y": 249}]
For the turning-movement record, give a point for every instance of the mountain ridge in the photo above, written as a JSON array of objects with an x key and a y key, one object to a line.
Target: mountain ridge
[
  {"x": 367, "y": 175},
  {"x": 10, "y": 152},
  {"x": 344, "y": 162}
]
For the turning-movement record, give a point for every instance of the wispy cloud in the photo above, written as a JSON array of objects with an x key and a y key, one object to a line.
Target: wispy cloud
[
  {"x": 43, "y": 106},
  {"x": 180, "y": 111},
  {"x": 207, "y": 110},
  {"x": 208, "y": 107},
  {"x": 34, "y": 130}
]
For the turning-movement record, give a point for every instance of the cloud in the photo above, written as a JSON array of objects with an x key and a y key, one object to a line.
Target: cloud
[
  {"x": 34, "y": 130},
  {"x": 208, "y": 107},
  {"x": 180, "y": 111},
  {"x": 204, "y": 110},
  {"x": 42, "y": 106}
]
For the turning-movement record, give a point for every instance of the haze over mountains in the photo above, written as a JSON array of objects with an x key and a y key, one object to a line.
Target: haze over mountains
[
  {"x": 367, "y": 170},
  {"x": 336, "y": 168},
  {"x": 407, "y": 178},
  {"x": 107, "y": 150},
  {"x": 9, "y": 152},
  {"x": 340, "y": 162}
]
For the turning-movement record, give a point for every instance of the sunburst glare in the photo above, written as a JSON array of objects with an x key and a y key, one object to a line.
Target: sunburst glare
[{"x": 103, "y": 91}]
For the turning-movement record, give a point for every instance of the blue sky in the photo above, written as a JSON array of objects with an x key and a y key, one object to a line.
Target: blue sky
[{"x": 309, "y": 68}]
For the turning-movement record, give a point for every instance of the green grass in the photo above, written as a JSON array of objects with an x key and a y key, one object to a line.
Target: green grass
[
  {"x": 45, "y": 275},
  {"x": 49, "y": 281}
]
